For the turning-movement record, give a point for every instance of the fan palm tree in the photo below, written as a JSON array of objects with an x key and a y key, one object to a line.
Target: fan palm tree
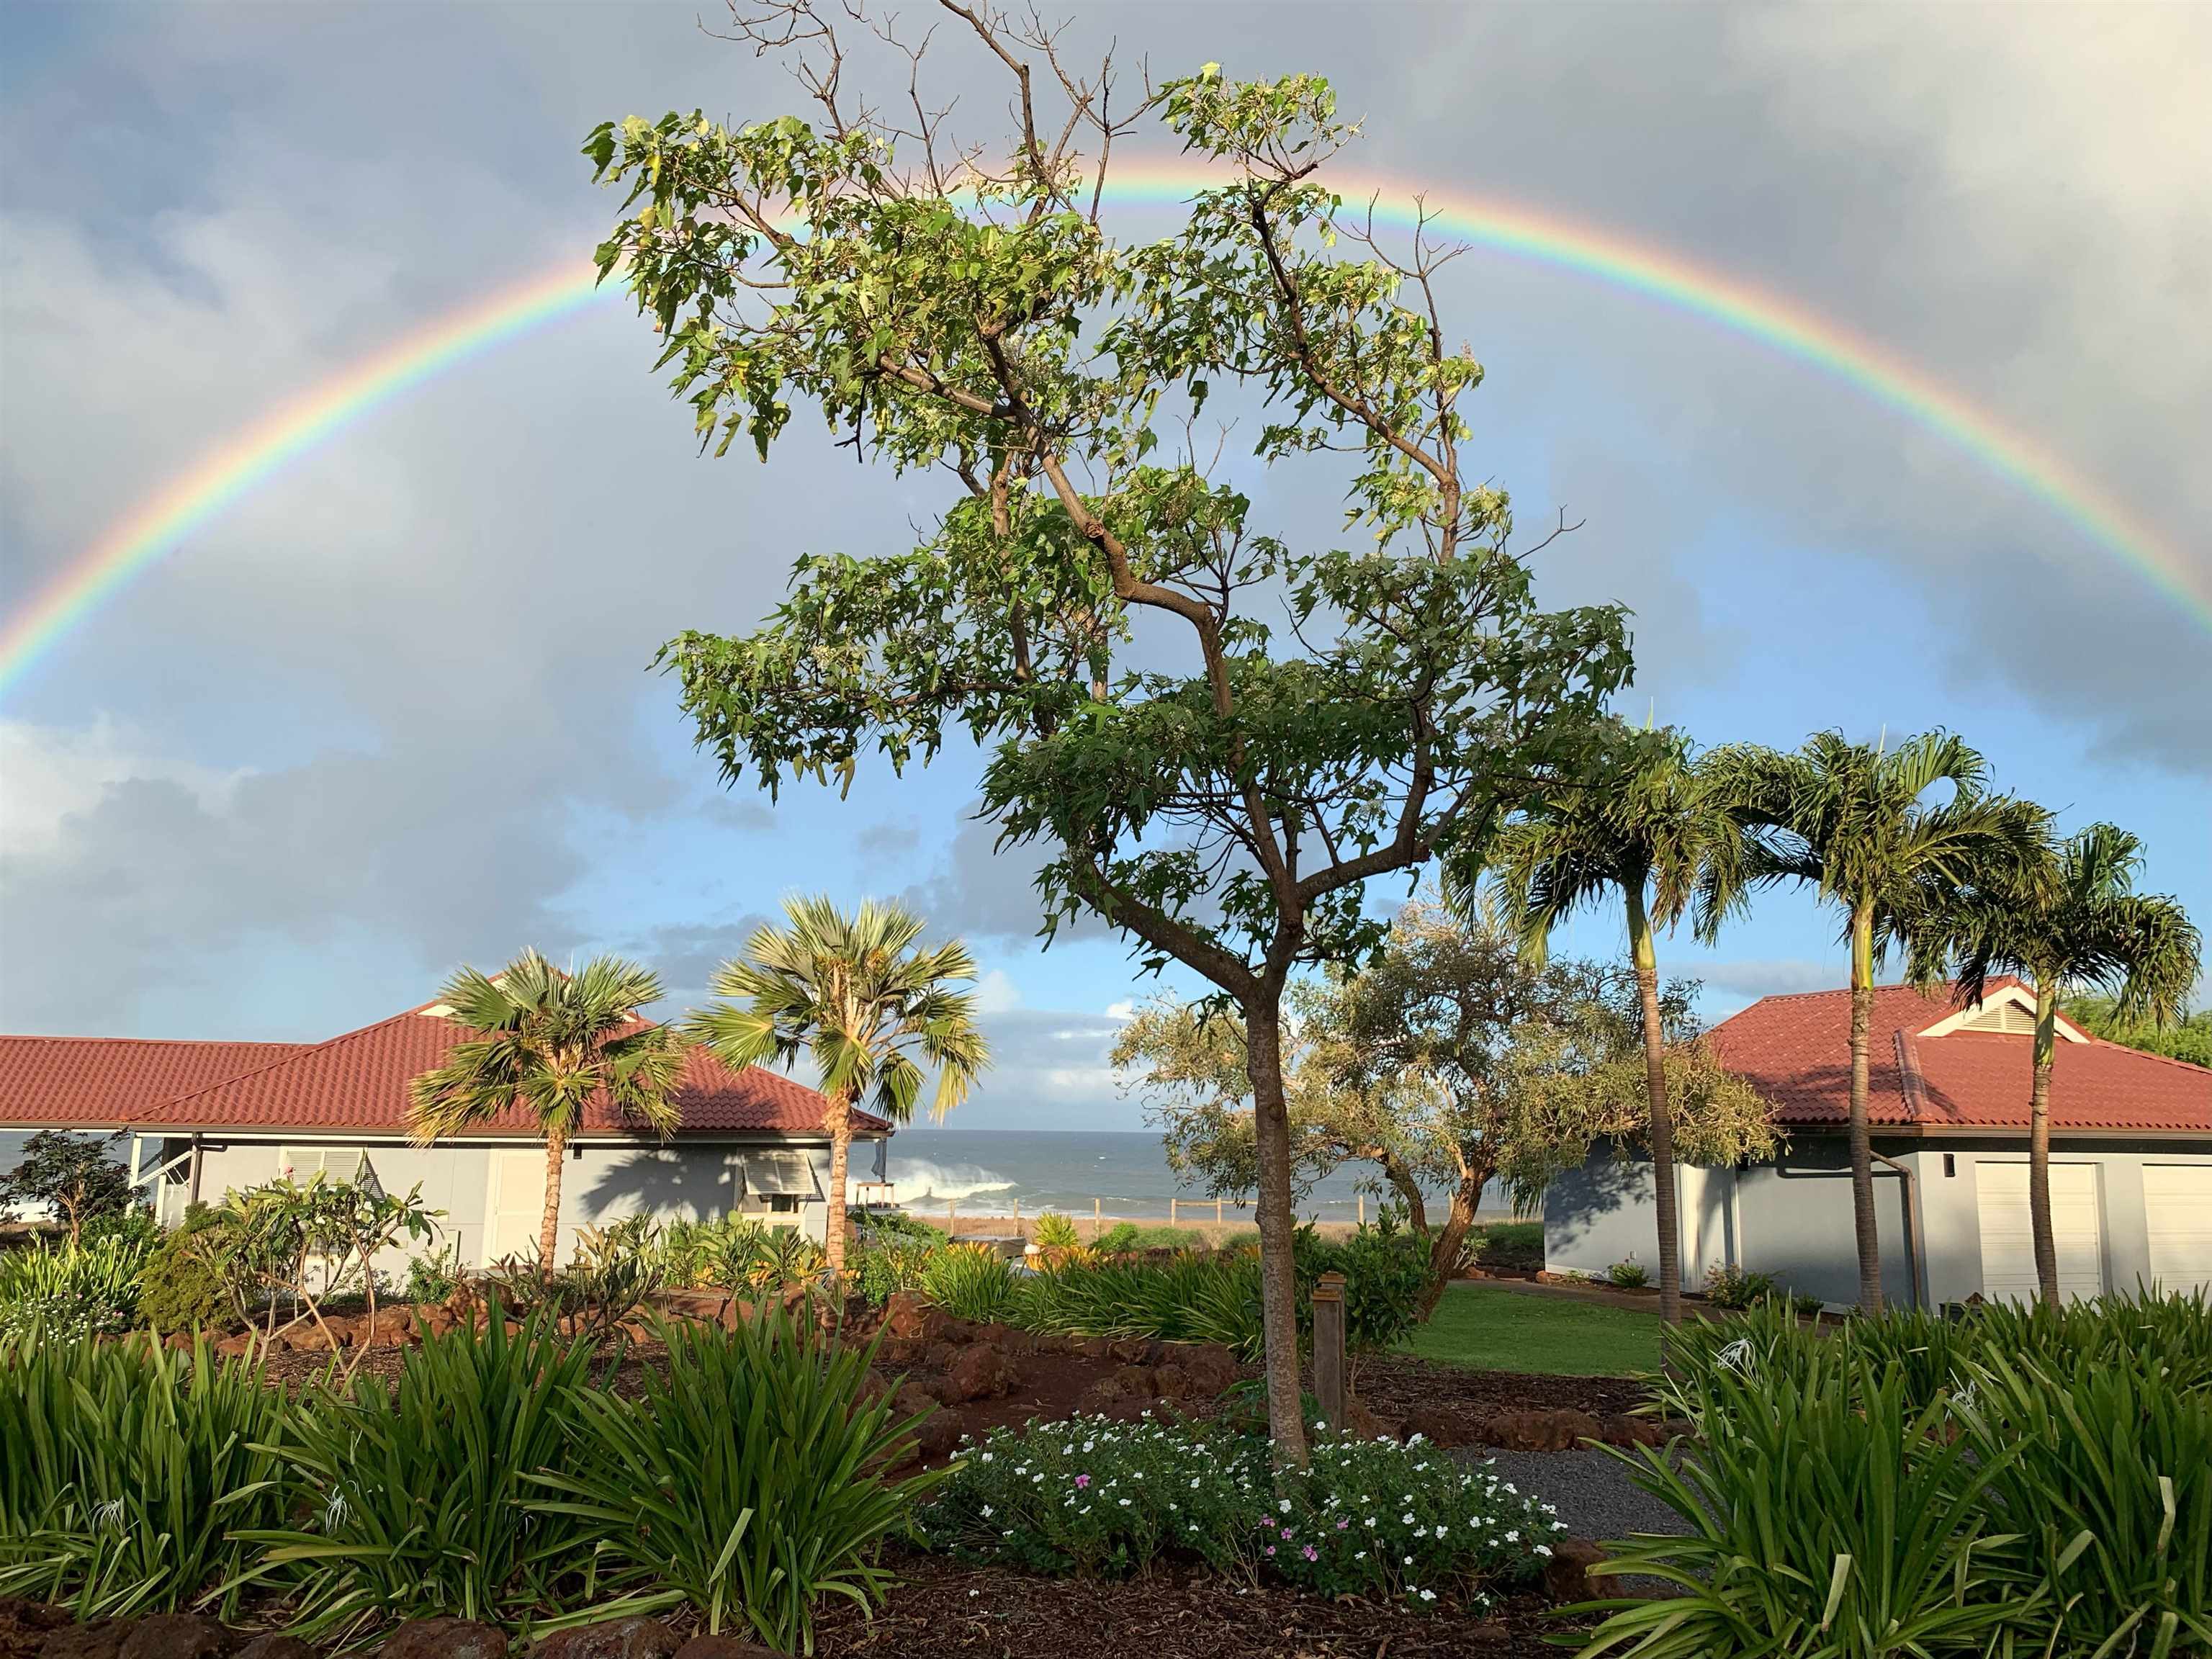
[
  {"x": 2067, "y": 919},
  {"x": 859, "y": 996},
  {"x": 549, "y": 1042},
  {"x": 1645, "y": 829},
  {"x": 1856, "y": 821}
]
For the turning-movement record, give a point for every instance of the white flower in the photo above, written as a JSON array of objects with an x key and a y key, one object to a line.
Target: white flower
[
  {"x": 1428, "y": 1595},
  {"x": 984, "y": 1459},
  {"x": 1125, "y": 1503},
  {"x": 335, "y": 1511},
  {"x": 987, "y": 1511},
  {"x": 108, "y": 1516},
  {"x": 1284, "y": 1506},
  {"x": 1407, "y": 1519},
  {"x": 1739, "y": 1356}
]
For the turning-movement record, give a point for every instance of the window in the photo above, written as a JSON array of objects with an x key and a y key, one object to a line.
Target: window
[{"x": 783, "y": 1203}]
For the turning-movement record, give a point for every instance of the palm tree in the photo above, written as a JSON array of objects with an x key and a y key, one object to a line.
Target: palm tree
[
  {"x": 2068, "y": 920},
  {"x": 1854, "y": 819},
  {"x": 1646, "y": 828},
  {"x": 859, "y": 996},
  {"x": 550, "y": 1041}
]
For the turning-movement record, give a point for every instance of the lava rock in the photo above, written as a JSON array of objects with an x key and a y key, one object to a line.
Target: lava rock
[
  {"x": 616, "y": 1638},
  {"x": 177, "y": 1635},
  {"x": 1546, "y": 1431},
  {"x": 722, "y": 1646},
  {"x": 445, "y": 1638},
  {"x": 1438, "y": 1426},
  {"x": 1627, "y": 1430},
  {"x": 1567, "y": 1573},
  {"x": 278, "y": 1644},
  {"x": 101, "y": 1638},
  {"x": 1210, "y": 1366},
  {"x": 906, "y": 1315}
]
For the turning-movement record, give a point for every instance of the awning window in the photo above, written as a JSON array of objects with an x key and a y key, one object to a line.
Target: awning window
[{"x": 772, "y": 1175}]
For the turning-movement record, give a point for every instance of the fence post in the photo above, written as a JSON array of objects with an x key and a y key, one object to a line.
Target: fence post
[
  {"x": 1217, "y": 1212},
  {"x": 1018, "y": 1218},
  {"x": 951, "y": 1231},
  {"x": 1363, "y": 1209},
  {"x": 1329, "y": 1347},
  {"x": 1097, "y": 1222},
  {"x": 1171, "y": 1213}
]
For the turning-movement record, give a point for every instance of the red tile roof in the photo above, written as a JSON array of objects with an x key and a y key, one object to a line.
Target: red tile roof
[
  {"x": 356, "y": 1082},
  {"x": 95, "y": 1080},
  {"x": 1795, "y": 1050}
]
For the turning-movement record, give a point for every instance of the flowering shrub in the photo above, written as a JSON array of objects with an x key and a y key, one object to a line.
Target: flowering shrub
[{"x": 1366, "y": 1517}]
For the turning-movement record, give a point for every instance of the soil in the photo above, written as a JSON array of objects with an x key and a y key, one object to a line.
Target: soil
[
  {"x": 944, "y": 1610},
  {"x": 1394, "y": 1384}
]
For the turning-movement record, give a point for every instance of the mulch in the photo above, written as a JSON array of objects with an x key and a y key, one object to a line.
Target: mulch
[
  {"x": 944, "y": 1610},
  {"x": 1394, "y": 1384}
]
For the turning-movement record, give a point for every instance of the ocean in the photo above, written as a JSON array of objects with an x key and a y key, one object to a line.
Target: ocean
[{"x": 989, "y": 1172}]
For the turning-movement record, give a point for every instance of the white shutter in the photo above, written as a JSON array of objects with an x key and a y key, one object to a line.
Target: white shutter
[
  {"x": 2177, "y": 1212},
  {"x": 2008, "y": 1243}
]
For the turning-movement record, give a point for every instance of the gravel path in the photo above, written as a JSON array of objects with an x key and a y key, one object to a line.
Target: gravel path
[{"x": 1591, "y": 1492}]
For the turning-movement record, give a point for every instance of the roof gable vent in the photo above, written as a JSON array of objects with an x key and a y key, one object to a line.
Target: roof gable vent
[{"x": 2007, "y": 1017}]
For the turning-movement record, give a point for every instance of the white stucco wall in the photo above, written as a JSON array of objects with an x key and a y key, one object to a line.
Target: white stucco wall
[
  {"x": 601, "y": 1182},
  {"x": 1792, "y": 1218}
]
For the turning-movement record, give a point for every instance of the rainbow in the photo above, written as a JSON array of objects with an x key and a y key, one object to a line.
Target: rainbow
[{"x": 1655, "y": 274}]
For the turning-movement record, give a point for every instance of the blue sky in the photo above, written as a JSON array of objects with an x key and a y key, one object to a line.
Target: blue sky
[{"x": 393, "y": 711}]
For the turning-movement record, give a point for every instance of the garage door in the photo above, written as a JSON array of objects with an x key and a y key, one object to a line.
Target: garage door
[
  {"x": 2177, "y": 1205},
  {"x": 2007, "y": 1246}
]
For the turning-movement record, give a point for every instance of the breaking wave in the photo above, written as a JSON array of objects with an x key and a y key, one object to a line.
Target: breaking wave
[{"x": 917, "y": 1181}]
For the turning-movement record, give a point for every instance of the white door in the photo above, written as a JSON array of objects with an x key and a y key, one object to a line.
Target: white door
[
  {"x": 2009, "y": 1247},
  {"x": 2177, "y": 1210},
  {"x": 515, "y": 1204}
]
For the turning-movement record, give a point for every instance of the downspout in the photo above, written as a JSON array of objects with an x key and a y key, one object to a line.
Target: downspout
[
  {"x": 192, "y": 1194},
  {"x": 1912, "y": 1232}
]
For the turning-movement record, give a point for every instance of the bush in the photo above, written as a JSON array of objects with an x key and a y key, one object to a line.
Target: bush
[
  {"x": 973, "y": 1282},
  {"x": 1055, "y": 1231},
  {"x": 749, "y": 1479},
  {"x": 1127, "y": 1238},
  {"x": 1366, "y": 1517},
  {"x": 1190, "y": 1298},
  {"x": 436, "y": 1276},
  {"x": 418, "y": 1491},
  {"x": 68, "y": 1291},
  {"x": 1385, "y": 1274},
  {"x": 882, "y": 1267},
  {"x": 128, "y": 1468},
  {"x": 1510, "y": 1244},
  {"x": 1629, "y": 1275},
  {"x": 1732, "y": 1288},
  {"x": 187, "y": 1283},
  {"x": 873, "y": 1225},
  {"x": 2028, "y": 1480}
]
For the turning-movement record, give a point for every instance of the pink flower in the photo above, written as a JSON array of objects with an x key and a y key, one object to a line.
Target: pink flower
[
  {"x": 1287, "y": 1533},
  {"x": 1270, "y": 1549},
  {"x": 1311, "y": 1553},
  {"x": 1341, "y": 1525},
  {"x": 1082, "y": 1479}
]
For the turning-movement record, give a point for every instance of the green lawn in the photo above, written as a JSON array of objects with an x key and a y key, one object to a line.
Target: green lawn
[{"x": 1487, "y": 1330}]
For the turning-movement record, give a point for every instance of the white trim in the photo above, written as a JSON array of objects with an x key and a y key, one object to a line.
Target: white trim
[{"x": 2019, "y": 997}]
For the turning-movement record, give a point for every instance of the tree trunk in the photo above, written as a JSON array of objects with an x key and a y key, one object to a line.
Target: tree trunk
[
  {"x": 2038, "y": 1141},
  {"x": 1665, "y": 1193},
  {"x": 1451, "y": 1238},
  {"x": 839, "y": 1117},
  {"x": 549, "y": 1223},
  {"x": 1862, "y": 1216},
  {"x": 1279, "y": 1306}
]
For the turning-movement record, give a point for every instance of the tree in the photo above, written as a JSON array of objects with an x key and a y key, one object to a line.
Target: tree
[
  {"x": 1856, "y": 821},
  {"x": 74, "y": 1173},
  {"x": 860, "y": 998},
  {"x": 1093, "y": 612},
  {"x": 1452, "y": 1061},
  {"x": 2188, "y": 1036},
  {"x": 2068, "y": 919},
  {"x": 550, "y": 1043},
  {"x": 1646, "y": 829}
]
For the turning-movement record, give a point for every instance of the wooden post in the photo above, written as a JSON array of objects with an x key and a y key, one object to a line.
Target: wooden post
[
  {"x": 1171, "y": 1213},
  {"x": 1018, "y": 1218},
  {"x": 951, "y": 1230},
  {"x": 1097, "y": 1222},
  {"x": 1328, "y": 1348},
  {"x": 1217, "y": 1211},
  {"x": 1361, "y": 1201}
]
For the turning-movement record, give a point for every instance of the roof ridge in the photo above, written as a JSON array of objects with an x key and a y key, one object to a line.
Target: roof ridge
[
  {"x": 179, "y": 1042},
  {"x": 305, "y": 1050}
]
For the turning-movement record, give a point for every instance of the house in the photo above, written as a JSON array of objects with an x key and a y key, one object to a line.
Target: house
[
  {"x": 204, "y": 1118},
  {"x": 1947, "y": 1100}
]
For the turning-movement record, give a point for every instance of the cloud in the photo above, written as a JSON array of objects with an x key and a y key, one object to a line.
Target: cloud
[
  {"x": 889, "y": 838},
  {"x": 997, "y": 993},
  {"x": 1752, "y": 978}
]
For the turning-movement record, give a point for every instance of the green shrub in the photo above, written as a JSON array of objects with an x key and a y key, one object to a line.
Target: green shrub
[
  {"x": 1190, "y": 1298},
  {"x": 416, "y": 1491},
  {"x": 1832, "y": 1518},
  {"x": 1509, "y": 1244},
  {"x": 2076, "y": 1520},
  {"x": 68, "y": 1291},
  {"x": 1055, "y": 1231},
  {"x": 1386, "y": 1276},
  {"x": 126, "y": 1469},
  {"x": 2107, "y": 1468},
  {"x": 1126, "y": 1237},
  {"x": 882, "y": 1267},
  {"x": 188, "y": 1283},
  {"x": 1367, "y": 1518},
  {"x": 894, "y": 1224},
  {"x": 749, "y": 1478},
  {"x": 1732, "y": 1288},
  {"x": 1629, "y": 1275},
  {"x": 973, "y": 1281},
  {"x": 435, "y": 1276}
]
